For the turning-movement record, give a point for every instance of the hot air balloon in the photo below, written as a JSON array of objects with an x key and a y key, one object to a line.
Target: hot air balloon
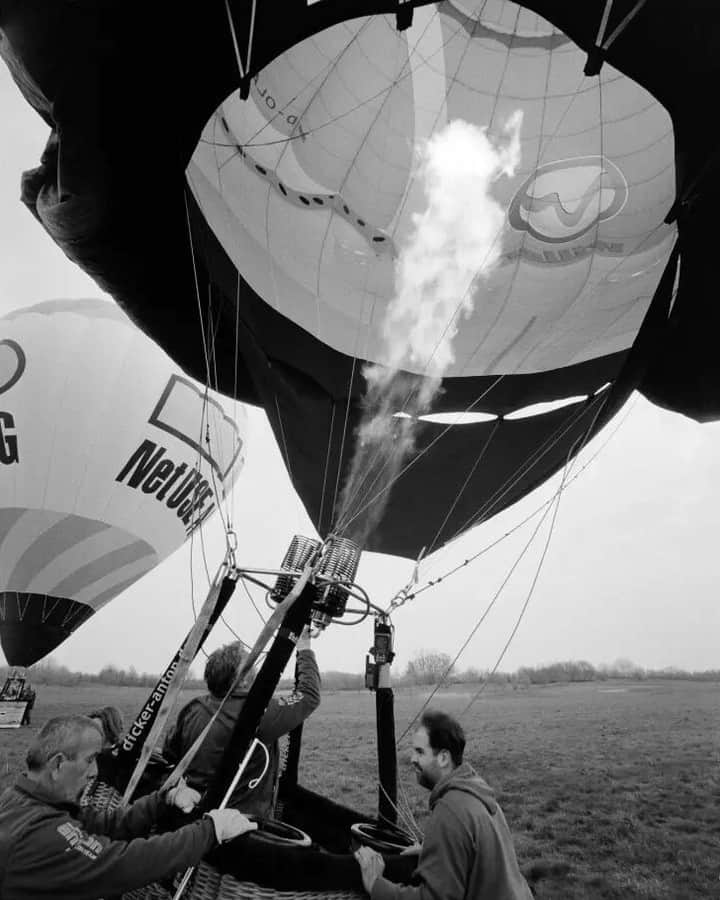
[
  {"x": 246, "y": 175},
  {"x": 276, "y": 212},
  {"x": 104, "y": 465}
]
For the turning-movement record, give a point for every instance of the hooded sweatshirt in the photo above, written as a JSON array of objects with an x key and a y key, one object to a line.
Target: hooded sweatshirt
[
  {"x": 64, "y": 852},
  {"x": 467, "y": 853},
  {"x": 281, "y": 716}
]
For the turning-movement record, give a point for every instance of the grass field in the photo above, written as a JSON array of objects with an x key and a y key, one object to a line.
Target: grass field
[{"x": 612, "y": 790}]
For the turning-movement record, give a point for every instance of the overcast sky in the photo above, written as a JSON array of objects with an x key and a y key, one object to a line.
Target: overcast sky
[{"x": 631, "y": 570}]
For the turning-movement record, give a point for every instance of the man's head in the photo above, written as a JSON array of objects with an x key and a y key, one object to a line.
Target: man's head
[
  {"x": 63, "y": 756},
  {"x": 438, "y": 748},
  {"x": 221, "y": 668}
]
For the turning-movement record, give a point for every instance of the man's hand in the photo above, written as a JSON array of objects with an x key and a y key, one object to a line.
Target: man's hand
[
  {"x": 183, "y": 797},
  {"x": 304, "y": 639},
  {"x": 372, "y": 865},
  {"x": 230, "y": 823},
  {"x": 412, "y": 850}
]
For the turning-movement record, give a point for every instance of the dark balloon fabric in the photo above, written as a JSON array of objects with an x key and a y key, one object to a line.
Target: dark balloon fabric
[{"x": 136, "y": 96}]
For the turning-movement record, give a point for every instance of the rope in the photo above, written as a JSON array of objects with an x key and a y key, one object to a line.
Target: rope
[
  {"x": 251, "y": 34},
  {"x": 432, "y": 583},
  {"x": 532, "y": 460},
  {"x": 231, "y": 23},
  {"x": 406, "y": 816},
  {"x": 624, "y": 24},
  {"x": 603, "y": 23},
  {"x": 327, "y": 464},
  {"x": 470, "y": 474},
  {"x": 568, "y": 467},
  {"x": 282, "y": 434},
  {"x": 419, "y": 456},
  {"x": 477, "y": 625}
]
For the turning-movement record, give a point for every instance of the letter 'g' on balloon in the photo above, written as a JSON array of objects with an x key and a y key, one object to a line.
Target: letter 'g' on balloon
[{"x": 105, "y": 466}]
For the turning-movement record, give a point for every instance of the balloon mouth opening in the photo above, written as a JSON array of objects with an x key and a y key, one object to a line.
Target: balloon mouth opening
[{"x": 33, "y": 625}]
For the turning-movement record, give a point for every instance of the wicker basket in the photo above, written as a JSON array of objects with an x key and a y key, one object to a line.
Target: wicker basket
[{"x": 207, "y": 882}]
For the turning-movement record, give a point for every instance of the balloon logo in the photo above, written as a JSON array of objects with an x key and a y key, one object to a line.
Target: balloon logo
[
  {"x": 12, "y": 364},
  {"x": 563, "y": 200}
]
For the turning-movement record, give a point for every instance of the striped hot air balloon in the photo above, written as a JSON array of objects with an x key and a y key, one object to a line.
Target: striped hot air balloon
[{"x": 105, "y": 465}]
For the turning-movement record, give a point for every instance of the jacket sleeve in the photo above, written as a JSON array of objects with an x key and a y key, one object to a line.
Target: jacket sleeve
[
  {"x": 444, "y": 865},
  {"x": 174, "y": 742},
  {"x": 65, "y": 860},
  {"x": 285, "y": 713},
  {"x": 127, "y": 822}
]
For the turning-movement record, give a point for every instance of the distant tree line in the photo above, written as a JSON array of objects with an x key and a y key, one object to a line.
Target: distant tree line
[
  {"x": 425, "y": 668},
  {"x": 428, "y": 667},
  {"x": 51, "y": 672}
]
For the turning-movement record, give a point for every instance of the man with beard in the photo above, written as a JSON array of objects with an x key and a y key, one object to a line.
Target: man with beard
[
  {"x": 468, "y": 852},
  {"x": 51, "y": 847}
]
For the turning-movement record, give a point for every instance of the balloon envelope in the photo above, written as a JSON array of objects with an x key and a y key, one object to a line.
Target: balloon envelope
[
  {"x": 104, "y": 465},
  {"x": 278, "y": 218}
]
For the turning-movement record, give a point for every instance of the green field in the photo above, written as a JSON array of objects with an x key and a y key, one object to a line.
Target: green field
[{"x": 612, "y": 789}]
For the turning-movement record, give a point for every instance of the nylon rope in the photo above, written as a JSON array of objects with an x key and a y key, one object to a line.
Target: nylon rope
[
  {"x": 327, "y": 464},
  {"x": 624, "y": 24},
  {"x": 415, "y": 459},
  {"x": 570, "y": 462},
  {"x": 603, "y": 23},
  {"x": 251, "y": 34},
  {"x": 470, "y": 474},
  {"x": 530, "y": 462},
  {"x": 571, "y": 457},
  {"x": 233, "y": 35},
  {"x": 434, "y": 582}
]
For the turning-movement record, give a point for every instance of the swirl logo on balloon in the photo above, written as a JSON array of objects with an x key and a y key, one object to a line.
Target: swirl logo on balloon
[
  {"x": 12, "y": 364},
  {"x": 563, "y": 200}
]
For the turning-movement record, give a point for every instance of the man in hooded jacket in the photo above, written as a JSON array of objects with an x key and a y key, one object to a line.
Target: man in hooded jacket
[
  {"x": 467, "y": 853},
  {"x": 282, "y": 715}
]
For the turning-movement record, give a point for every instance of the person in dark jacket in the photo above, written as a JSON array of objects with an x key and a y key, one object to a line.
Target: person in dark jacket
[
  {"x": 467, "y": 853},
  {"x": 52, "y": 848},
  {"x": 110, "y": 720},
  {"x": 281, "y": 716},
  {"x": 28, "y": 695}
]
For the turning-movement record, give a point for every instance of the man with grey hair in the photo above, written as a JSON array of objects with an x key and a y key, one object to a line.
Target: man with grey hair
[
  {"x": 52, "y": 847},
  {"x": 281, "y": 716}
]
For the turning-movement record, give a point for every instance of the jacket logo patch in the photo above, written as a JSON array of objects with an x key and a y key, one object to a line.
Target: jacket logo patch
[
  {"x": 290, "y": 700},
  {"x": 79, "y": 840}
]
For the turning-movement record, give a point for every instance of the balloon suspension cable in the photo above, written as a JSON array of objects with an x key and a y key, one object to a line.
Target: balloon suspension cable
[
  {"x": 405, "y": 815},
  {"x": 570, "y": 461},
  {"x": 406, "y": 593},
  {"x": 412, "y": 54},
  {"x": 569, "y": 464},
  {"x": 433, "y": 582}
]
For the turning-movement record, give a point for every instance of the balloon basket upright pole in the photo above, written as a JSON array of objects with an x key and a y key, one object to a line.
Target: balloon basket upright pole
[
  {"x": 226, "y": 799},
  {"x": 377, "y": 679}
]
